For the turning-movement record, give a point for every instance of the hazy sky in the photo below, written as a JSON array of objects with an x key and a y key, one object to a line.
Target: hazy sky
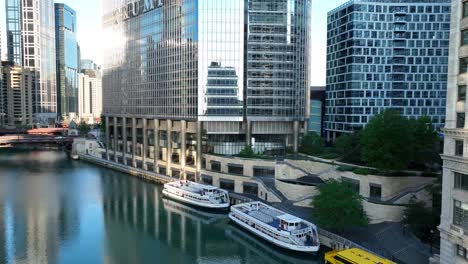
[{"x": 89, "y": 31}]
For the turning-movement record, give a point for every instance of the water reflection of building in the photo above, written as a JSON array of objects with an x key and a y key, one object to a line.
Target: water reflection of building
[
  {"x": 164, "y": 230},
  {"x": 38, "y": 219}
]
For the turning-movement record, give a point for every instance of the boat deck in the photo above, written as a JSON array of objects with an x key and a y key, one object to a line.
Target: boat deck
[{"x": 268, "y": 216}]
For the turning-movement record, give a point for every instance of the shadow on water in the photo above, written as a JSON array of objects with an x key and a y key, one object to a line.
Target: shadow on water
[{"x": 53, "y": 210}]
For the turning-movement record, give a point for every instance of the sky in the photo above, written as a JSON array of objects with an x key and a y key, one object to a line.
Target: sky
[{"x": 90, "y": 33}]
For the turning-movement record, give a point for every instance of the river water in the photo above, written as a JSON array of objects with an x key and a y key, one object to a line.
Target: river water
[{"x": 54, "y": 210}]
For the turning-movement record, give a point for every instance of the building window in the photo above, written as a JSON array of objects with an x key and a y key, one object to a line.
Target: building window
[
  {"x": 460, "y": 214},
  {"x": 235, "y": 169},
  {"x": 460, "y": 120},
  {"x": 465, "y": 9},
  {"x": 375, "y": 191},
  {"x": 215, "y": 166},
  {"x": 464, "y": 37},
  {"x": 461, "y": 181},
  {"x": 461, "y": 92},
  {"x": 354, "y": 184},
  {"x": 459, "y": 148},
  {"x": 463, "y": 65},
  {"x": 207, "y": 179},
  {"x": 226, "y": 184},
  {"x": 462, "y": 252},
  {"x": 264, "y": 172}
]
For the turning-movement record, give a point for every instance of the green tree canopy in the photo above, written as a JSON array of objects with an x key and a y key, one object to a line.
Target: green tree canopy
[
  {"x": 83, "y": 128},
  {"x": 420, "y": 219},
  {"x": 348, "y": 146},
  {"x": 338, "y": 206},
  {"x": 312, "y": 144},
  {"x": 247, "y": 152},
  {"x": 387, "y": 141},
  {"x": 102, "y": 125},
  {"x": 425, "y": 148}
]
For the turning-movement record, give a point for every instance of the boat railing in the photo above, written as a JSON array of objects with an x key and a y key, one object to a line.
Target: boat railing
[
  {"x": 302, "y": 231},
  {"x": 296, "y": 240}
]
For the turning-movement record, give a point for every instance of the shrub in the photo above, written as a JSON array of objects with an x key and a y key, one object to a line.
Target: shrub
[
  {"x": 363, "y": 171},
  {"x": 312, "y": 144}
]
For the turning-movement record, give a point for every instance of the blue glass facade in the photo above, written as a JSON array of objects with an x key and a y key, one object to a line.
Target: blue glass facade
[
  {"x": 238, "y": 71},
  {"x": 386, "y": 54},
  {"x": 67, "y": 61}
]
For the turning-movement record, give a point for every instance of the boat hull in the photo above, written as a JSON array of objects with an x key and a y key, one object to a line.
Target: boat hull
[
  {"x": 304, "y": 249},
  {"x": 223, "y": 206}
]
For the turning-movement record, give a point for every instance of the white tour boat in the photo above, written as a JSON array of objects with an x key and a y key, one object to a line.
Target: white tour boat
[
  {"x": 277, "y": 227},
  {"x": 201, "y": 195}
]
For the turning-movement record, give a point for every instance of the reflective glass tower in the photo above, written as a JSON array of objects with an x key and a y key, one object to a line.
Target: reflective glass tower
[
  {"x": 67, "y": 61},
  {"x": 181, "y": 73},
  {"x": 386, "y": 54},
  {"x": 31, "y": 44}
]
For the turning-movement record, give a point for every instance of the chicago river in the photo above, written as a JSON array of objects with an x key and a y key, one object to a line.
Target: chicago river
[{"x": 54, "y": 210}]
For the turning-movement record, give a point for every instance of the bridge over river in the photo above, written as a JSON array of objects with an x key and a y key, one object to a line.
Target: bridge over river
[{"x": 37, "y": 142}]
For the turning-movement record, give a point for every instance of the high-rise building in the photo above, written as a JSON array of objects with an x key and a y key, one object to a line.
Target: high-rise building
[
  {"x": 317, "y": 109},
  {"x": 31, "y": 44},
  {"x": 89, "y": 96},
  {"x": 171, "y": 65},
  {"x": 386, "y": 54},
  {"x": 454, "y": 217},
  {"x": 16, "y": 91},
  {"x": 67, "y": 61},
  {"x": 87, "y": 64},
  {"x": 2, "y": 110}
]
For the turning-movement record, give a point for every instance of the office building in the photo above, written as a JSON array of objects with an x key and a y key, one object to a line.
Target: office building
[
  {"x": 87, "y": 64},
  {"x": 171, "y": 65},
  {"x": 317, "y": 109},
  {"x": 31, "y": 45},
  {"x": 16, "y": 90},
  {"x": 386, "y": 54},
  {"x": 67, "y": 62},
  {"x": 2, "y": 110},
  {"x": 454, "y": 218},
  {"x": 89, "y": 96}
]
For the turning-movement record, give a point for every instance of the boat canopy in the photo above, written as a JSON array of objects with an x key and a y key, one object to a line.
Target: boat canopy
[
  {"x": 289, "y": 219},
  {"x": 208, "y": 187}
]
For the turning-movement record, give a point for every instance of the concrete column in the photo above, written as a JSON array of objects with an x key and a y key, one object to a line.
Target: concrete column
[
  {"x": 116, "y": 140},
  {"x": 156, "y": 145},
  {"x": 169, "y": 147},
  {"x": 199, "y": 150},
  {"x": 145, "y": 144},
  {"x": 248, "y": 134},
  {"x": 183, "y": 125},
  {"x": 107, "y": 137},
  {"x": 134, "y": 142},
  {"x": 296, "y": 137},
  {"x": 124, "y": 140}
]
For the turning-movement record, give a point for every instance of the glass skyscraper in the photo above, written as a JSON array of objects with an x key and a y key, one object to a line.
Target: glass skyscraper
[
  {"x": 234, "y": 73},
  {"x": 386, "y": 54},
  {"x": 31, "y": 44},
  {"x": 67, "y": 61}
]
